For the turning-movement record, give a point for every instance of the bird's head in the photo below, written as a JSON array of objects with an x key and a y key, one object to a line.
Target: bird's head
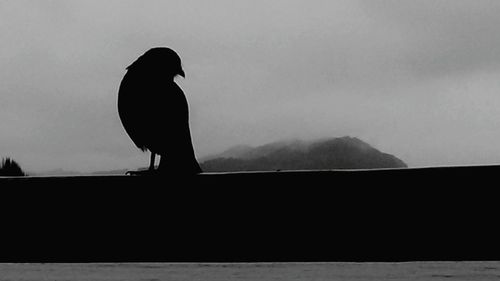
[{"x": 159, "y": 60}]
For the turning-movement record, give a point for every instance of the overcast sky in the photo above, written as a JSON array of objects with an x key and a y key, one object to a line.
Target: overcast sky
[{"x": 417, "y": 79}]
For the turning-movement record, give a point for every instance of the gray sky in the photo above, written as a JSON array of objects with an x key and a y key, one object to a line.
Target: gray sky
[{"x": 418, "y": 79}]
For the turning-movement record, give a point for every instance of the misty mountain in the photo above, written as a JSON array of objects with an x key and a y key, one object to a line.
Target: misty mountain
[
  {"x": 247, "y": 152},
  {"x": 335, "y": 153},
  {"x": 62, "y": 172},
  {"x": 56, "y": 172}
]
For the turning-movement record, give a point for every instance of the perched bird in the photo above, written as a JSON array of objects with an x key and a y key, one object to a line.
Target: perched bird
[{"x": 154, "y": 111}]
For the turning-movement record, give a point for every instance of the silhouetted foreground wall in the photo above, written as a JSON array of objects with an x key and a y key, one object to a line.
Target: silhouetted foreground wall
[{"x": 393, "y": 215}]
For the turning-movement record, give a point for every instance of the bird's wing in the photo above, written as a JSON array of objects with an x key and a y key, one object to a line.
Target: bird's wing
[{"x": 133, "y": 108}]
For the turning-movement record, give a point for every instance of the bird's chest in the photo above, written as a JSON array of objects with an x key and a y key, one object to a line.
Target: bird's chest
[{"x": 167, "y": 99}]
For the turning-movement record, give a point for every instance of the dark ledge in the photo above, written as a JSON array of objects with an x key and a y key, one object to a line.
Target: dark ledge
[{"x": 384, "y": 215}]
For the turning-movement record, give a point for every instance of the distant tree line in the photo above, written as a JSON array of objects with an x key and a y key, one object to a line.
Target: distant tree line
[{"x": 10, "y": 168}]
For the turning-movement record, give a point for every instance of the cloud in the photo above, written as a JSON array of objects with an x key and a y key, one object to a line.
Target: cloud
[
  {"x": 385, "y": 70},
  {"x": 442, "y": 36}
]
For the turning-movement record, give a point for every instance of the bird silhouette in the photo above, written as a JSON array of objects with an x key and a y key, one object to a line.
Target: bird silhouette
[{"x": 154, "y": 112}]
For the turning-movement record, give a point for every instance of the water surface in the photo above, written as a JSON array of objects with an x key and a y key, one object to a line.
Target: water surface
[{"x": 449, "y": 271}]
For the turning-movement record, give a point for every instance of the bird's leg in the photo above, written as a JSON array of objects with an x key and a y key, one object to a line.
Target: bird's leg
[
  {"x": 149, "y": 171},
  {"x": 152, "y": 161}
]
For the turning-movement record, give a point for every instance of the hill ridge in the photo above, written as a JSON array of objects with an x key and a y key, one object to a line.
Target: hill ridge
[{"x": 328, "y": 153}]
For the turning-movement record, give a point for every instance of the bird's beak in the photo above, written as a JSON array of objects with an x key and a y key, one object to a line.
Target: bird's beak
[{"x": 181, "y": 73}]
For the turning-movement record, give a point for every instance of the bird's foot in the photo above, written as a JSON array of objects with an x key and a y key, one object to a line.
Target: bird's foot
[{"x": 142, "y": 173}]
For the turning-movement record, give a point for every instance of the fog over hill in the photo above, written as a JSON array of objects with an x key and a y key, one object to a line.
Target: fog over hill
[
  {"x": 334, "y": 153},
  {"x": 327, "y": 153}
]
